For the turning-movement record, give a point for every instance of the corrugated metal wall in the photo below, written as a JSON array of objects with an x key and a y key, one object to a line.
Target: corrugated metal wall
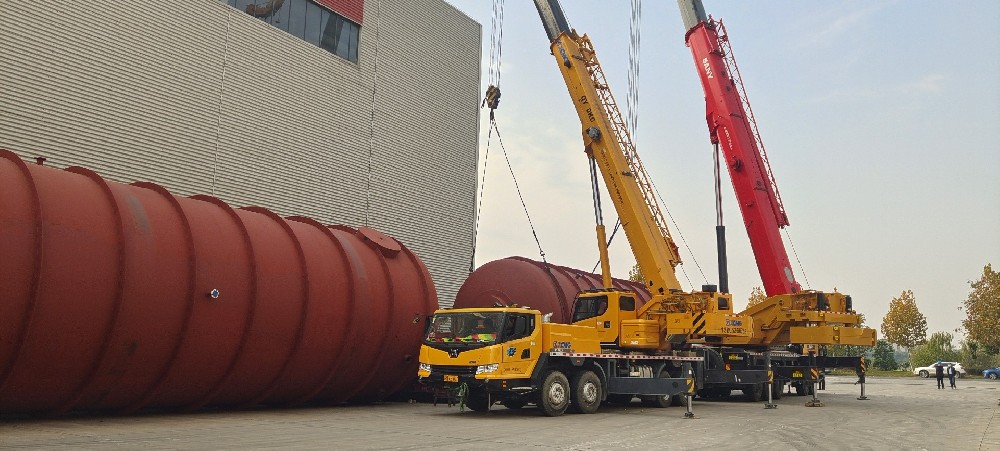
[{"x": 205, "y": 99}]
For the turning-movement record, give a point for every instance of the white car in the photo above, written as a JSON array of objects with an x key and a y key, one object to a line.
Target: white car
[{"x": 928, "y": 371}]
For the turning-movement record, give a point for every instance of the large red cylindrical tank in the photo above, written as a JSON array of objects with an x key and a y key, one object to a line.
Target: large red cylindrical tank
[
  {"x": 543, "y": 286},
  {"x": 119, "y": 297}
]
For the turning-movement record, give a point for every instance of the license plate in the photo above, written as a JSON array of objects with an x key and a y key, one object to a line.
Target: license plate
[{"x": 450, "y": 378}]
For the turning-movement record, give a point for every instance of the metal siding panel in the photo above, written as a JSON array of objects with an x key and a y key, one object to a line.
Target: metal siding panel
[{"x": 134, "y": 93}]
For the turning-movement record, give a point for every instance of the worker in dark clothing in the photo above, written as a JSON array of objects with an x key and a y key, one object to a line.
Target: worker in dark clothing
[
  {"x": 939, "y": 373},
  {"x": 951, "y": 375}
]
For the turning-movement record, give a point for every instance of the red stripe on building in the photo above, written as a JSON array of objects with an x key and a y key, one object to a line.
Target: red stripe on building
[{"x": 351, "y": 9}]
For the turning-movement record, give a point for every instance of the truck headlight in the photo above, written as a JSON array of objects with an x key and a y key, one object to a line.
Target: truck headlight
[
  {"x": 424, "y": 367},
  {"x": 491, "y": 368}
]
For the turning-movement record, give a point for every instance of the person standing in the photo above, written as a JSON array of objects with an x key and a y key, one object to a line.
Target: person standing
[
  {"x": 939, "y": 374},
  {"x": 951, "y": 375}
]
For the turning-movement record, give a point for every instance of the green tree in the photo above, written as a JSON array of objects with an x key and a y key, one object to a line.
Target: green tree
[
  {"x": 756, "y": 297},
  {"x": 975, "y": 358},
  {"x": 850, "y": 350},
  {"x": 883, "y": 356},
  {"x": 635, "y": 274},
  {"x": 903, "y": 324},
  {"x": 982, "y": 310},
  {"x": 938, "y": 347}
]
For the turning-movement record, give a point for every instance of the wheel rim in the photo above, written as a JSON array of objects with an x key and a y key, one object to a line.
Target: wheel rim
[
  {"x": 557, "y": 394},
  {"x": 993, "y": 376},
  {"x": 589, "y": 392}
]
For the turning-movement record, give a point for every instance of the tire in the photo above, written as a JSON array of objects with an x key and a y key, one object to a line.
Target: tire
[
  {"x": 753, "y": 393},
  {"x": 992, "y": 376},
  {"x": 776, "y": 390},
  {"x": 586, "y": 394},
  {"x": 554, "y": 396},
  {"x": 514, "y": 403},
  {"x": 924, "y": 374},
  {"x": 658, "y": 401},
  {"x": 477, "y": 401},
  {"x": 803, "y": 388}
]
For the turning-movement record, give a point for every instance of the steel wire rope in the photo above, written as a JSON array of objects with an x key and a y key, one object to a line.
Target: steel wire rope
[
  {"x": 479, "y": 206},
  {"x": 519, "y": 196},
  {"x": 496, "y": 47},
  {"x": 677, "y": 227},
  {"x": 796, "y": 254}
]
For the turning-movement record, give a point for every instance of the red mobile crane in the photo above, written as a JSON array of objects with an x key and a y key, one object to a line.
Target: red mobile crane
[
  {"x": 790, "y": 315},
  {"x": 731, "y": 124}
]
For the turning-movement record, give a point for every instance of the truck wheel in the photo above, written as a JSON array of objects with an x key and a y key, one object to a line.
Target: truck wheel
[
  {"x": 657, "y": 401},
  {"x": 477, "y": 401},
  {"x": 586, "y": 392},
  {"x": 753, "y": 393},
  {"x": 924, "y": 374},
  {"x": 554, "y": 396},
  {"x": 800, "y": 389}
]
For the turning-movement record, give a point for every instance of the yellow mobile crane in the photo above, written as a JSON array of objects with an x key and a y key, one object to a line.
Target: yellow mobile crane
[
  {"x": 615, "y": 349},
  {"x": 677, "y": 343}
]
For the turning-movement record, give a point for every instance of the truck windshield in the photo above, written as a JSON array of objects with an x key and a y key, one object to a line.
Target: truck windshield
[{"x": 471, "y": 328}]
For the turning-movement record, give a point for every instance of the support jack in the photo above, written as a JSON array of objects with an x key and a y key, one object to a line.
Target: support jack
[{"x": 689, "y": 414}]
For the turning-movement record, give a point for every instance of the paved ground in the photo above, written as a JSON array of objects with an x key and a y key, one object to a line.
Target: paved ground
[{"x": 903, "y": 413}]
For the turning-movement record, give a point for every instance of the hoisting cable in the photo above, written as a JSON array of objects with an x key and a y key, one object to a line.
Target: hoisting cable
[
  {"x": 632, "y": 99},
  {"x": 796, "y": 254},
  {"x": 492, "y": 100},
  {"x": 683, "y": 240},
  {"x": 492, "y": 97},
  {"x": 519, "y": 196}
]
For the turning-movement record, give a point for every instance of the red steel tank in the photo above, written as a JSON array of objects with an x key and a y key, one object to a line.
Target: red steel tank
[
  {"x": 118, "y": 297},
  {"x": 543, "y": 286}
]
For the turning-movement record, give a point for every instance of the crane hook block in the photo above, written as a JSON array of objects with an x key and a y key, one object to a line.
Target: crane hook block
[{"x": 492, "y": 98}]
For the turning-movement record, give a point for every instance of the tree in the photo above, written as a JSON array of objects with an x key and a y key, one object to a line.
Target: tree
[
  {"x": 635, "y": 275},
  {"x": 903, "y": 324},
  {"x": 937, "y": 347},
  {"x": 849, "y": 350},
  {"x": 982, "y": 310},
  {"x": 756, "y": 297},
  {"x": 883, "y": 357}
]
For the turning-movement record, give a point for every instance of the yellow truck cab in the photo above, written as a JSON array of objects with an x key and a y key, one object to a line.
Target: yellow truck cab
[{"x": 512, "y": 356}]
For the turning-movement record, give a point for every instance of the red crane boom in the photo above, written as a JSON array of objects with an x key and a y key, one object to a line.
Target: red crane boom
[{"x": 731, "y": 125}]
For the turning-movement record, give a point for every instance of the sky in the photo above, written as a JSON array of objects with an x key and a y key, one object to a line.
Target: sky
[{"x": 880, "y": 120}]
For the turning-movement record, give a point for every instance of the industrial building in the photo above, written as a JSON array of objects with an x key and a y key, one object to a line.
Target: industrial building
[{"x": 362, "y": 113}]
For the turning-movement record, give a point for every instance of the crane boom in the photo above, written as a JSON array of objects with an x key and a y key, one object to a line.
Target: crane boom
[
  {"x": 672, "y": 315},
  {"x": 731, "y": 126},
  {"x": 608, "y": 142}
]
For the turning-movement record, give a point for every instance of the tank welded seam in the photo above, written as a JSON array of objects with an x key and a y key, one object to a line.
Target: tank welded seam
[
  {"x": 334, "y": 364},
  {"x": 364, "y": 295},
  {"x": 248, "y": 322},
  {"x": 102, "y": 353},
  {"x": 303, "y": 315},
  {"x": 190, "y": 296},
  {"x": 29, "y": 313},
  {"x": 362, "y": 386},
  {"x": 427, "y": 305}
]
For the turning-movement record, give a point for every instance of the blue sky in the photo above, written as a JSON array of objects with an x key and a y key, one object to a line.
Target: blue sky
[{"x": 880, "y": 119}]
